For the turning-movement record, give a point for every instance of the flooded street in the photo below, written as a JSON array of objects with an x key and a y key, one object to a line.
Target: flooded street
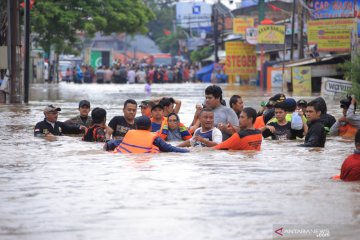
[{"x": 69, "y": 189}]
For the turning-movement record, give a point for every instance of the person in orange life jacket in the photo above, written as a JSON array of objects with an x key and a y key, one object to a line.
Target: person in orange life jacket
[
  {"x": 248, "y": 138},
  {"x": 174, "y": 130},
  {"x": 119, "y": 125},
  {"x": 281, "y": 128},
  {"x": 51, "y": 127},
  {"x": 316, "y": 135},
  {"x": 237, "y": 104},
  {"x": 350, "y": 169},
  {"x": 145, "y": 107},
  {"x": 170, "y": 105},
  {"x": 96, "y": 132},
  {"x": 142, "y": 140},
  {"x": 158, "y": 119},
  {"x": 348, "y": 124},
  {"x": 83, "y": 118},
  {"x": 207, "y": 135}
]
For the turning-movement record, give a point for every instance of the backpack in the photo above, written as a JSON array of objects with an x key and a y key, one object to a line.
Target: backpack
[{"x": 296, "y": 121}]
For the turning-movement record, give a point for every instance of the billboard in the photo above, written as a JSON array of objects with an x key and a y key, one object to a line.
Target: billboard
[
  {"x": 334, "y": 87},
  {"x": 271, "y": 34},
  {"x": 194, "y": 15},
  {"x": 324, "y": 9},
  {"x": 240, "y": 59},
  {"x": 301, "y": 79},
  {"x": 331, "y": 34},
  {"x": 240, "y": 24}
]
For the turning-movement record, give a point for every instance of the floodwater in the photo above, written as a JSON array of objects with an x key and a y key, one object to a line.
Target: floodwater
[{"x": 69, "y": 189}]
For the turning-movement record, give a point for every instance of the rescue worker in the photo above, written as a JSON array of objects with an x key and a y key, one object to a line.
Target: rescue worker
[
  {"x": 51, "y": 127},
  {"x": 142, "y": 140},
  {"x": 96, "y": 132},
  {"x": 248, "y": 138},
  {"x": 350, "y": 169}
]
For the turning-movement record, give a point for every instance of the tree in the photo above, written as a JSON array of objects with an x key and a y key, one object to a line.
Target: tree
[
  {"x": 200, "y": 54},
  {"x": 352, "y": 73},
  {"x": 57, "y": 22}
]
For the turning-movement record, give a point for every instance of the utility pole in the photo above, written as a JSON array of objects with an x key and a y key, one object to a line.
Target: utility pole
[
  {"x": 261, "y": 10},
  {"x": 301, "y": 16},
  {"x": 13, "y": 43},
  {"x": 216, "y": 32},
  {"x": 27, "y": 51},
  {"x": 292, "y": 31}
]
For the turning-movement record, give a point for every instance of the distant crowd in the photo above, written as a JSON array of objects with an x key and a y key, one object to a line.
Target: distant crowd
[
  {"x": 134, "y": 72},
  {"x": 215, "y": 125}
]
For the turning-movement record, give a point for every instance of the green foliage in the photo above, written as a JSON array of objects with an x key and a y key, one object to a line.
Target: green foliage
[
  {"x": 352, "y": 73},
  {"x": 198, "y": 55},
  {"x": 57, "y": 22},
  {"x": 170, "y": 44}
]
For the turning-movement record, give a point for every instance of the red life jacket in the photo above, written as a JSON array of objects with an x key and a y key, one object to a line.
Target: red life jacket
[{"x": 138, "y": 141}]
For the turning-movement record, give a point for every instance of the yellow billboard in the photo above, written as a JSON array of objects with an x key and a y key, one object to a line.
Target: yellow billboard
[
  {"x": 240, "y": 59},
  {"x": 240, "y": 24},
  {"x": 271, "y": 34},
  {"x": 301, "y": 80},
  {"x": 331, "y": 34}
]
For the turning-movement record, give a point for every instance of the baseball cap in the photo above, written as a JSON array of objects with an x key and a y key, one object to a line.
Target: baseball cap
[
  {"x": 157, "y": 106},
  {"x": 142, "y": 123},
  {"x": 51, "y": 108},
  {"x": 301, "y": 102},
  {"x": 84, "y": 103},
  {"x": 278, "y": 97}
]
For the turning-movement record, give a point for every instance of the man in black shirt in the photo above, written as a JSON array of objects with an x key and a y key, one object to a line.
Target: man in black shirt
[
  {"x": 316, "y": 135},
  {"x": 120, "y": 125},
  {"x": 51, "y": 127}
]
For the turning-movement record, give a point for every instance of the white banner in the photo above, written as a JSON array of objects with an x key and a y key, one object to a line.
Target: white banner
[{"x": 334, "y": 87}]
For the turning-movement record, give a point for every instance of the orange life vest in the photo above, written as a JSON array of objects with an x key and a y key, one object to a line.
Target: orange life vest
[
  {"x": 259, "y": 122},
  {"x": 138, "y": 141},
  {"x": 347, "y": 131}
]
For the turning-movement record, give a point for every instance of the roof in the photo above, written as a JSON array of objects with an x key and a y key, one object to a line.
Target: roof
[{"x": 310, "y": 61}]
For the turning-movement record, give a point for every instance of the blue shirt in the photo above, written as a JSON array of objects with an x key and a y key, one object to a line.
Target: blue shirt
[{"x": 155, "y": 127}]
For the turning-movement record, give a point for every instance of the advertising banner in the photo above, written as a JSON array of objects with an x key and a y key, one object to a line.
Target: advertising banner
[
  {"x": 240, "y": 24},
  {"x": 271, "y": 34},
  {"x": 194, "y": 15},
  {"x": 274, "y": 77},
  {"x": 251, "y": 36},
  {"x": 95, "y": 59},
  {"x": 331, "y": 34},
  {"x": 331, "y": 87},
  {"x": 301, "y": 79},
  {"x": 324, "y": 9},
  {"x": 240, "y": 59}
]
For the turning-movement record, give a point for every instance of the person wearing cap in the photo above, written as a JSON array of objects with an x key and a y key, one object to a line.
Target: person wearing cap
[
  {"x": 225, "y": 118},
  {"x": 84, "y": 118},
  {"x": 248, "y": 138},
  {"x": 157, "y": 120},
  {"x": 347, "y": 125},
  {"x": 142, "y": 140},
  {"x": 350, "y": 169},
  {"x": 145, "y": 107},
  {"x": 51, "y": 127},
  {"x": 96, "y": 132},
  {"x": 267, "y": 111},
  {"x": 301, "y": 104}
]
